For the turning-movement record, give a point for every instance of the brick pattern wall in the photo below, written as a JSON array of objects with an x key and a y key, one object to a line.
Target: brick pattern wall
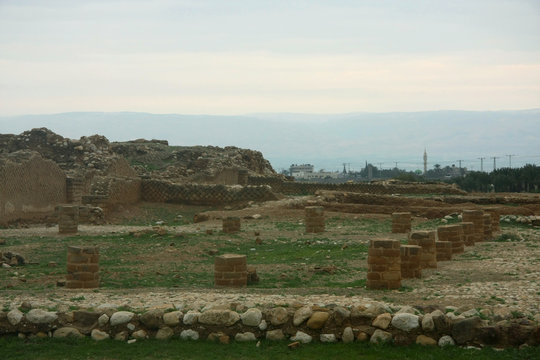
[
  {"x": 82, "y": 267},
  {"x": 477, "y": 218},
  {"x": 231, "y": 224},
  {"x": 454, "y": 234},
  {"x": 444, "y": 250},
  {"x": 410, "y": 261},
  {"x": 488, "y": 234},
  {"x": 495, "y": 219},
  {"x": 468, "y": 233},
  {"x": 314, "y": 219},
  {"x": 68, "y": 219},
  {"x": 401, "y": 222},
  {"x": 198, "y": 194},
  {"x": 384, "y": 264},
  {"x": 74, "y": 190},
  {"x": 426, "y": 240},
  {"x": 230, "y": 270}
]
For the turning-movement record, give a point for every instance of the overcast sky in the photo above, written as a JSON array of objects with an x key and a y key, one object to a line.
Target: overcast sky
[{"x": 247, "y": 56}]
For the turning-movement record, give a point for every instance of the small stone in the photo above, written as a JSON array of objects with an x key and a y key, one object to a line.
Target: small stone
[
  {"x": 275, "y": 335},
  {"x": 103, "y": 320},
  {"x": 379, "y": 336},
  {"x": 252, "y": 317},
  {"x": 302, "y": 337},
  {"x": 38, "y": 316},
  {"x": 362, "y": 337},
  {"x": 191, "y": 317},
  {"x": 302, "y": 315},
  {"x": 130, "y": 326},
  {"x": 317, "y": 320},
  {"x": 172, "y": 318},
  {"x": 164, "y": 333},
  {"x": 294, "y": 345},
  {"x": 278, "y": 316},
  {"x": 427, "y": 323},
  {"x": 189, "y": 335},
  {"x": 425, "y": 340},
  {"x": 348, "y": 335},
  {"x": 263, "y": 325},
  {"x": 152, "y": 318},
  {"x": 131, "y": 341},
  {"x": 99, "y": 335},
  {"x": 14, "y": 317},
  {"x": 382, "y": 321},
  {"x": 219, "y": 317},
  {"x": 139, "y": 334},
  {"x": 243, "y": 337},
  {"x": 67, "y": 332},
  {"x": 121, "y": 317},
  {"x": 328, "y": 338},
  {"x": 446, "y": 340},
  {"x": 405, "y": 321},
  {"x": 121, "y": 336}
]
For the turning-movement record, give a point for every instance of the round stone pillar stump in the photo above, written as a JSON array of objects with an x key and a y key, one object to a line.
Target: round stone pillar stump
[
  {"x": 82, "y": 267},
  {"x": 401, "y": 222},
  {"x": 384, "y": 264},
  {"x": 230, "y": 270},
  {"x": 426, "y": 240},
  {"x": 314, "y": 219}
]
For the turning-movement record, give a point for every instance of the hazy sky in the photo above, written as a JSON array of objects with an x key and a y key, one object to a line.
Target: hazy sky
[{"x": 237, "y": 57}]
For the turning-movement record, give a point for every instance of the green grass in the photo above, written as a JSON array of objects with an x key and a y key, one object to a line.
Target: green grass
[{"x": 176, "y": 349}]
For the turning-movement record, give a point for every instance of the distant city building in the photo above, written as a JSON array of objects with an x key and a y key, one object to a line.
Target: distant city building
[
  {"x": 296, "y": 170},
  {"x": 306, "y": 172}
]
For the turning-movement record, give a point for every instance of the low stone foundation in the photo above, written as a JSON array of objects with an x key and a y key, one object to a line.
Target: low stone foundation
[
  {"x": 444, "y": 250},
  {"x": 230, "y": 270},
  {"x": 314, "y": 219},
  {"x": 384, "y": 264},
  {"x": 82, "y": 267},
  {"x": 426, "y": 240},
  {"x": 401, "y": 222},
  {"x": 231, "y": 225}
]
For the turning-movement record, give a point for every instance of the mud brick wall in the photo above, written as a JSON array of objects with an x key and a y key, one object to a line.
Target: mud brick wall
[
  {"x": 82, "y": 267},
  {"x": 488, "y": 234},
  {"x": 410, "y": 261},
  {"x": 231, "y": 224},
  {"x": 401, "y": 222},
  {"x": 230, "y": 270},
  {"x": 468, "y": 233},
  {"x": 314, "y": 219},
  {"x": 124, "y": 191},
  {"x": 444, "y": 250},
  {"x": 68, "y": 219},
  {"x": 199, "y": 194},
  {"x": 454, "y": 234},
  {"x": 477, "y": 218},
  {"x": 30, "y": 188},
  {"x": 495, "y": 219},
  {"x": 74, "y": 190},
  {"x": 426, "y": 240},
  {"x": 384, "y": 264}
]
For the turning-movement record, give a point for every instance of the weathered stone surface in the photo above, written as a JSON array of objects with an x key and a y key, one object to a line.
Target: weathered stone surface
[
  {"x": 340, "y": 315},
  {"x": 99, "y": 335},
  {"x": 328, "y": 338},
  {"x": 382, "y": 321},
  {"x": 121, "y": 317},
  {"x": 172, "y": 318},
  {"x": 425, "y": 340},
  {"x": 277, "y": 316},
  {"x": 15, "y": 316},
  {"x": 243, "y": 337},
  {"x": 427, "y": 323},
  {"x": 219, "y": 317},
  {"x": 362, "y": 337},
  {"x": 130, "y": 326},
  {"x": 67, "y": 332},
  {"x": 302, "y": 315},
  {"x": 140, "y": 334},
  {"x": 446, "y": 340},
  {"x": 317, "y": 320},
  {"x": 121, "y": 336},
  {"x": 440, "y": 321},
  {"x": 189, "y": 335},
  {"x": 38, "y": 316},
  {"x": 275, "y": 335},
  {"x": 191, "y": 317},
  {"x": 407, "y": 310},
  {"x": 252, "y": 317},
  {"x": 465, "y": 330},
  {"x": 152, "y": 318},
  {"x": 405, "y": 321},
  {"x": 302, "y": 337},
  {"x": 348, "y": 335},
  {"x": 380, "y": 336},
  {"x": 164, "y": 333},
  {"x": 263, "y": 325},
  {"x": 103, "y": 320}
]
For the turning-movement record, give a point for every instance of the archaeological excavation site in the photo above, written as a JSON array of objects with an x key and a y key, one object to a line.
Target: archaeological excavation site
[{"x": 142, "y": 240}]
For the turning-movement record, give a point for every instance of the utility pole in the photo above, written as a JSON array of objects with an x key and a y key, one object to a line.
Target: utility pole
[
  {"x": 380, "y": 166},
  {"x": 510, "y": 160},
  {"x": 459, "y": 161},
  {"x": 482, "y": 163},
  {"x": 494, "y": 162},
  {"x": 395, "y": 162}
]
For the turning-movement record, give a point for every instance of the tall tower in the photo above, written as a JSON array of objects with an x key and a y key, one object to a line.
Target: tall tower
[{"x": 425, "y": 161}]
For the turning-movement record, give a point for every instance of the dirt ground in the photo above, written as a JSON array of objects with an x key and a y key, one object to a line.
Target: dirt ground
[{"x": 490, "y": 275}]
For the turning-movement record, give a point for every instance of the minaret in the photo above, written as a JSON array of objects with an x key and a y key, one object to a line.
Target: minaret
[{"x": 425, "y": 161}]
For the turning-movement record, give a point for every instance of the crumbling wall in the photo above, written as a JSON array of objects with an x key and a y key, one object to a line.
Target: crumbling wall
[{"x": 30, "y": 186}]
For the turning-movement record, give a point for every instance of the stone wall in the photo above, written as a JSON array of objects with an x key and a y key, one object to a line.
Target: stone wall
[
  {"x": 302, "y": 323},
  {"x": 197, "y": 194},
  {"x": 30, "y": 187}
]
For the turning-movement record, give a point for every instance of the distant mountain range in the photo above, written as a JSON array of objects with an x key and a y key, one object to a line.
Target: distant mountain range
[{"x": 327, "y": 141}]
